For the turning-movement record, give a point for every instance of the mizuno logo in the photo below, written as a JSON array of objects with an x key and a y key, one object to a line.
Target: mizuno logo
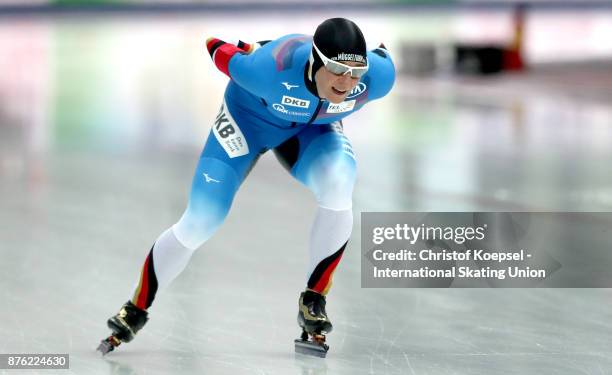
[
  {"x": 210, "y": 179},
  {"x": 289, "y": 86}
]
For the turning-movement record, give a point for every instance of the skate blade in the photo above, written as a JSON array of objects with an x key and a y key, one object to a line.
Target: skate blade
[
  {"x": 310, "y": 348},
  {"x": 108, "y": 345}
]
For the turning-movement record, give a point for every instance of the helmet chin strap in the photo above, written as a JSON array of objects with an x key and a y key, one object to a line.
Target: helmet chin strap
[
  {"x": 309, "y": 75},
  {"x": 310, "y": 64}
]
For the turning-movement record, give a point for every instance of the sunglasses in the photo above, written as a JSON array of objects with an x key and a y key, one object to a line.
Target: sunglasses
[{"x": 339, "y": 68}]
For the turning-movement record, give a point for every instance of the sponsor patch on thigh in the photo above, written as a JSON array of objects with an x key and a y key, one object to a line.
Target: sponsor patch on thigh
[{"x": 228, "y": 134}]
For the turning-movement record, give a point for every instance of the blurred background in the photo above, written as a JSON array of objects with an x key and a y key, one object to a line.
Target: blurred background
[
  {"x": 498, "y": 105},
  {"x": 104, "y": 108}
]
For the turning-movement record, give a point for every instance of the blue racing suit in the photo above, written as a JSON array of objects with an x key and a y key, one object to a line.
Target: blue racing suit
[{"x": 271, "y": 102}]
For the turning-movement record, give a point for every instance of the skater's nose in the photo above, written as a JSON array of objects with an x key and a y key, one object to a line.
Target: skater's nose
[{"x": 345, "y": 80}]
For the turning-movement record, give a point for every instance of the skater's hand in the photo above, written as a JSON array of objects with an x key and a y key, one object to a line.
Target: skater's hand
[{"x": 213, "y": 44}]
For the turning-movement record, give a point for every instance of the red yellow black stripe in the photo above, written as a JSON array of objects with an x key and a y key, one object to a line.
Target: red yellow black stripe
[
  {"x": 321, "y": 278},
  {"x": 212, "y": 44},
  {"x": 221, "y": 53},
  {"x": 246, "y": 47},
  {"x": 147, "y": 287}
]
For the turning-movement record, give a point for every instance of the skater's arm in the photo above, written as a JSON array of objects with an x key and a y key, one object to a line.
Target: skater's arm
[
  {"x": 382, "y": 72},
  {"x": 221, "y": 53},
  {"x": 244, "y": 64}
]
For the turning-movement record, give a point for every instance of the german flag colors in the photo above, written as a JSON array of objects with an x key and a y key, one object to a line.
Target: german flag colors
[
  {"x": 321, "y": 278},
  {"x": 147, "y": 287},
  {"x": 221, "y": 53}
]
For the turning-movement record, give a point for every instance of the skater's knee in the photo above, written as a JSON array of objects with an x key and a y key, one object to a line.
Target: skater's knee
[
  {"x": 332, "y": 183},
  {"x": 199, "y": 223},
  {"x": 212, "y": 193}
]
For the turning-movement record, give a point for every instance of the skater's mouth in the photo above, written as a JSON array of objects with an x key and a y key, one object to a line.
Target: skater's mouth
[{"x": 338, "y": 92}]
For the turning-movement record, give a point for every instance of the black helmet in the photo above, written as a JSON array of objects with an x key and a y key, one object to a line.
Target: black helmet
[{"x": 338, "y": 39}]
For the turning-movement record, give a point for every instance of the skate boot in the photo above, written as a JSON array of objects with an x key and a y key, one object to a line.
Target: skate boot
[
  {"x": 124, "y": 325},
  {"x": 313, "y": 319}
]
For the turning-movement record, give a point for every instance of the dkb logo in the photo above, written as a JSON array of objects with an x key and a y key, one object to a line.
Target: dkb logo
[
  {"x": 228, "y": 134},
  {"x": 295, "y": 102},
  {"x": 220, "y": 124}
]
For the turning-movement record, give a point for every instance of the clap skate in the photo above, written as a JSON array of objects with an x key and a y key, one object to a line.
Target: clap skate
[
  {"x": 124, "y": 325},
  {"x": 315, "y": 324}
]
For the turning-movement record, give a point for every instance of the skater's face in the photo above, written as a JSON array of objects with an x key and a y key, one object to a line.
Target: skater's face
[{"x": 335, "y": 87}]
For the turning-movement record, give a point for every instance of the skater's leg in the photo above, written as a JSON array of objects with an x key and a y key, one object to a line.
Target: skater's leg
[
  {"x": 229, "y": 154},
  {"x": 321, "y": 158},
  {"x": 328, "y": 238},
  {"x": 215, "y": 182},
  {"x": 170, "y": 257},
  {"x": 214, "y": 185}
]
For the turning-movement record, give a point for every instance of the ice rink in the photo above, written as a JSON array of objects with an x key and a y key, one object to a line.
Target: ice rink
[{"x": 101, "y": 124}]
